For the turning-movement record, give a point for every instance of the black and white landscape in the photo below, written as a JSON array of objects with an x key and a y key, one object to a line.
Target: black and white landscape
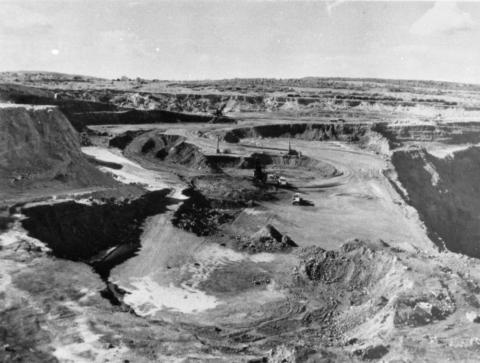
[{"x": 257, "y": 219}]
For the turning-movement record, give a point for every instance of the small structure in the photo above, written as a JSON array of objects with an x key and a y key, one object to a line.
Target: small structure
[{"x": 282, "y": 181}]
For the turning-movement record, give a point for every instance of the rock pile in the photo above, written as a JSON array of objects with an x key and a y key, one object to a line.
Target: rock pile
[
  {"x": 197, "y": 215},
  {"x": 267, "y": 239}
]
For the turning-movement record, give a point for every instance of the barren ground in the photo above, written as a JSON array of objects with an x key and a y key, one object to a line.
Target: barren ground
[{"x": 137, "y": 241}]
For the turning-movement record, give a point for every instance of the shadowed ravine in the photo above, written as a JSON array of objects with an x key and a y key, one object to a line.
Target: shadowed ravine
[{"x": 101, "y": 234}]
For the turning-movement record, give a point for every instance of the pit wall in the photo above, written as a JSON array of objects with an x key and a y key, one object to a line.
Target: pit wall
[
  {"x": 268, "y": 102},
  {"x": 157, "y": 147},
  {"x": 357, "y": 132},
  {"x": 249, "y": 162},
  {"x": 446, "y": 194},
  {"x": 304, "y": 131},
  {"x": 80, "y": 120},
  {"x": 39, "y": 149},
  {"x": 82, "y": 112},
  {"x": 82, "y": 232},
  {"x": 450, "y": 133}
]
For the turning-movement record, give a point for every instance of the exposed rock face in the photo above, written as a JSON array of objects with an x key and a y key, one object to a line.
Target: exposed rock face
[
  {"x": 70, "y": 106},
  {"x": 349, "y": 265},
  {"x": 83, "y": 110},
  {"x": 197, "y": 215},
  {"x": 267, "y": 239},
  {"x": 80, "y": 120},
  {"x": 39, "y": 146},
  {"x": 158, "y": 147},
  {"x": 446, "y": 193},
  {"x": 79, "y": 232},
  {"x": 123, "y": 140},
  {"x": 451, "y": 133},
  {"x": 372, "y": 352},
  {"x": 265, "y": 102},
  {"x": 305, "y": 131}
]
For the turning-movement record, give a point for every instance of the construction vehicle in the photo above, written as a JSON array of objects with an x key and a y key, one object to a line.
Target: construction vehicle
[
  {"x": 282, "y": 181},
  {"x": 219, "y": 110},
  {"x": 272, "y": 178},
  {"x": 296, "y": 200}
]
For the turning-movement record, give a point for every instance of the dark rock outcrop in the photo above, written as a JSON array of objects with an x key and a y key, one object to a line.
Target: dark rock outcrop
[
  {"x": 267, "y": 239},
  {"x": 446, "y": 194},
  {"x": 82, "y": 232},
  {"x": 197, "y": 215},
  {"x": 305, "y": 131},
  {"x": 157, "y": 147}
]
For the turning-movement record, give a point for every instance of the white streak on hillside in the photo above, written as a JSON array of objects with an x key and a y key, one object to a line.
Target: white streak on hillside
[{"x": 130, "y": 172}]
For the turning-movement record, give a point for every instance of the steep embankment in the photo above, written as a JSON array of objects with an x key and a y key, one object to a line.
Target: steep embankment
[
  {"x": 446, "y": 193},
  {"x": 71, "y": 107},
  {"x": 40, "y": 150},
  {"x": 82, "y": 232},
  {"x": 396, "y": 134},
  {"x": 449, "y": 133},
  {"x": 305, "y": 131},
  {"x": 157, "y": 147},
  {"x": 81, "y": 120},
  {"x": 81, "y": 110},
  {"x": 281, "y": 99}
]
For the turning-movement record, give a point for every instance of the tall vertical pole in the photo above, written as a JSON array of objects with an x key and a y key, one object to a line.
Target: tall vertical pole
[{"x": 290, "y": 140}]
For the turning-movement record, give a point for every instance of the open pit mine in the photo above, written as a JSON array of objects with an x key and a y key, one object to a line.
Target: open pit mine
[{"x": 301, "y": 220}]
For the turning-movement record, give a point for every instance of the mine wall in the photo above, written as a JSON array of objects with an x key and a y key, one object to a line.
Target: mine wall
[
  {"x": 39, "y": 146},
  {"x": 451, "y": 133},
  {"x": 446, "y": 194},
  {"x": 444, "y": 191},
  {"x": 305, "y": 131},
  {"x": 249, "y": 162},
  {"x": 102, "y": 234},
  {"x": 80, "y": 120},
  {"x": 35, "y": 96},
  {"x": 194, "y": 103},
  {"x": 81, "y": 112},
  {"x": 207, "y": 103},
  {"x": 158, "y": 148}
]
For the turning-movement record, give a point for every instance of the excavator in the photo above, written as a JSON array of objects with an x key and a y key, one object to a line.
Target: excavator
[
  {"x": 219, "y": 111},
  {"x": 218, "y": 114},
  {"x": 298, "y": 200}
]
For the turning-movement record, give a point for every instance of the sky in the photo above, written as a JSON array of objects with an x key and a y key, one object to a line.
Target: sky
[{"x": 215, "y": 39}]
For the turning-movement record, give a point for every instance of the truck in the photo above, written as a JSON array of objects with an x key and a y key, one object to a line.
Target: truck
[
  {"x": 296, "y": 200},
  {"x": 282, "y": 181}
]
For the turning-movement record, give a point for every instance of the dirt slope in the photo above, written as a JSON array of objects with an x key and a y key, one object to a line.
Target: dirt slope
[
  {"x": 158, "y": 148},
  {"x": 446, "y": 193},
  {"x": 39, "y": 149}
]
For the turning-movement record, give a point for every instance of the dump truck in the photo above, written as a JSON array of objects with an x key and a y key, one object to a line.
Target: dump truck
[
  {"x": 296, "y": 200},
  {"x": 282, "y": 181}
]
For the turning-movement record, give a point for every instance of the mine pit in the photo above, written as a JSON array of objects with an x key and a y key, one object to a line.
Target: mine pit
[{"x": 291, "y": 228}]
